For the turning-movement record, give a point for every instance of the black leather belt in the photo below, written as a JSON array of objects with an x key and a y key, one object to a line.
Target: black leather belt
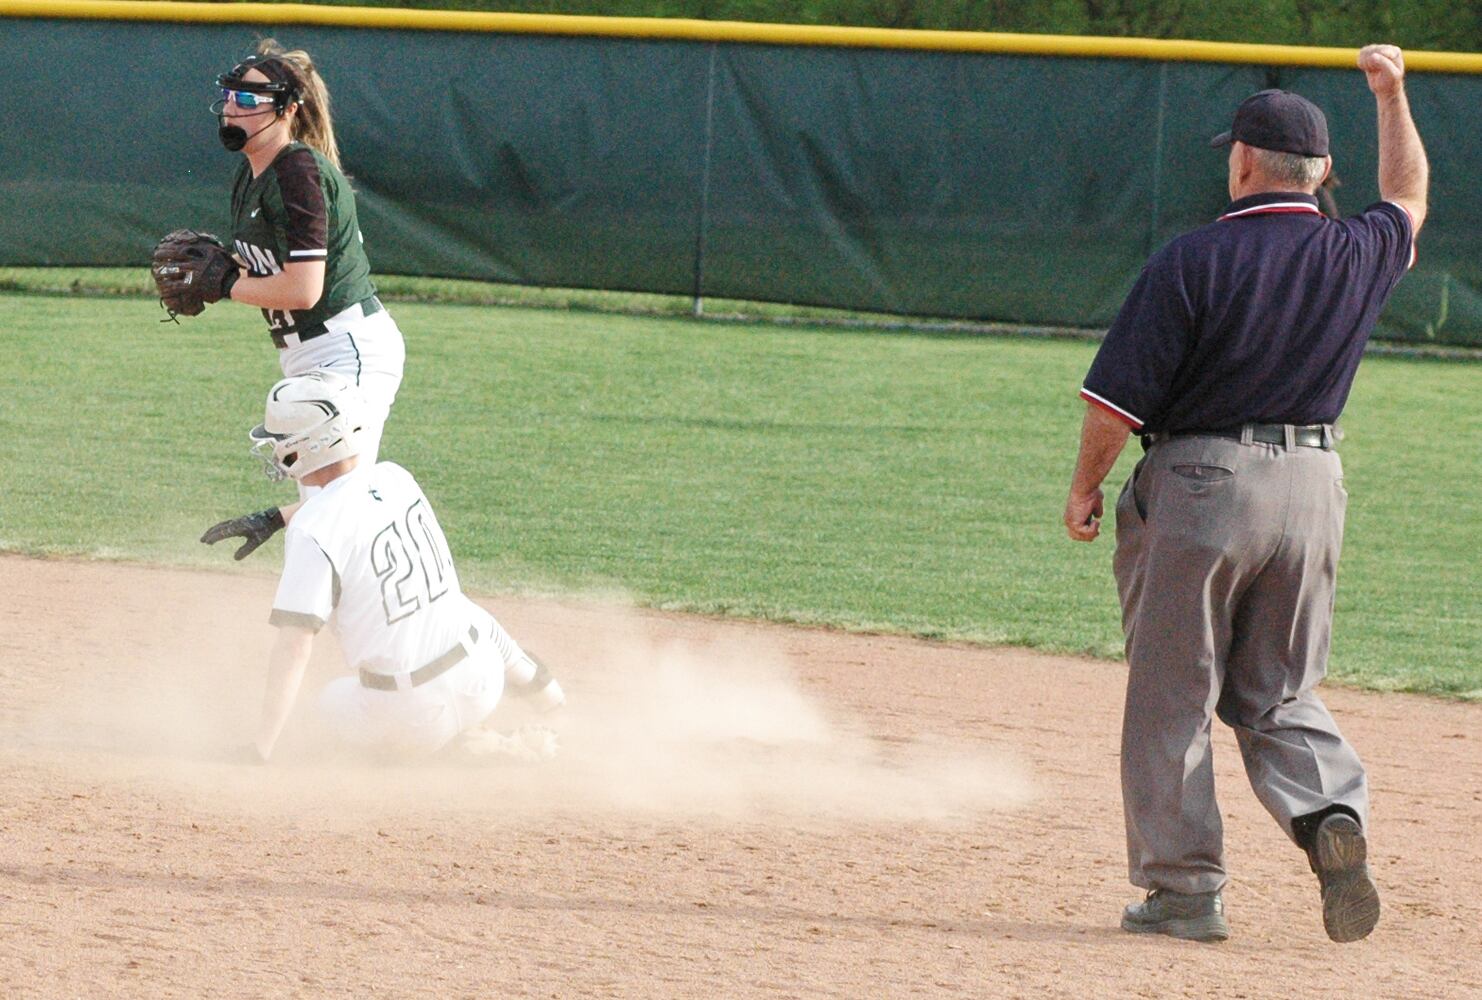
[
  {"x": 1307, "y": 436},
  {"x": 369, "y": 307},
  {"x": 424, "y": 673}
]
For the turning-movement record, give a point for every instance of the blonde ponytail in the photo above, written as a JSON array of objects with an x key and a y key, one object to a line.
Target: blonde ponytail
[{"x": 312, "y": 125}]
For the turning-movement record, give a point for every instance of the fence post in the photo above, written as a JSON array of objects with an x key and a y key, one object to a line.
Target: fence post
[
  {"x": 704, "y": 220},
  {"x": 1158, "y": 157}
]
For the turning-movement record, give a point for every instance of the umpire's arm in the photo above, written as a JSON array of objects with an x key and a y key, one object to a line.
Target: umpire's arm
[
  {"x": 1404, "y": 173},
  {"x": 1103, "y": 437}
]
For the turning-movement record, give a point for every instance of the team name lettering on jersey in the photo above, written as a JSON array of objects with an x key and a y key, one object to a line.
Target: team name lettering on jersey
[{"x": 261, "y": 260}]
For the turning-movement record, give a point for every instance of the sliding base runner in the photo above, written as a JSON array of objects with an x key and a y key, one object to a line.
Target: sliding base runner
[{"x": 365, "y": 554}]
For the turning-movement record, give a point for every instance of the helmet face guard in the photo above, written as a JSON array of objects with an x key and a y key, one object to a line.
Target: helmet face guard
[
  {"x": 280, "y": 91},
  {"x": 311, "y": 422},
  {"x": 264, "y": 449}
]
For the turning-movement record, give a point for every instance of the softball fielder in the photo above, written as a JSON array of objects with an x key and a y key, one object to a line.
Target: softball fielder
[
  {"x": 297, "y": 240},
  {"x": 365, "y": 555}
]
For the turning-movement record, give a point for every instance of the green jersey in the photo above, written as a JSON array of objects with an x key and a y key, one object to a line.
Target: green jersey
[{"x": 301, "y": 209}]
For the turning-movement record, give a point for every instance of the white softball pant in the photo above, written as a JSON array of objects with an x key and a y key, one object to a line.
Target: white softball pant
[
  {"x": 423, "y": 719},
  {"x": 427, "y": 717},
  {"x": 368, "y": 349}
]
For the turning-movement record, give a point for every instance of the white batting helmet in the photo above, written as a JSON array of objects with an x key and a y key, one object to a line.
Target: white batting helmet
[{"x": 312, "y": 420}]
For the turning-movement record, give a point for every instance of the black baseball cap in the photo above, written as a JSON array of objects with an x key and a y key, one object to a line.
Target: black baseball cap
[{"x": 1281, "y": 121}]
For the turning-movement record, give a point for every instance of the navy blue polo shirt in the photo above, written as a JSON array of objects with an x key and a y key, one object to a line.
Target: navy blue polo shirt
[{"x": 1259, "y": 317}]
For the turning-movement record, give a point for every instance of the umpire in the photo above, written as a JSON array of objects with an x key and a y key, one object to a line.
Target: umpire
[{"x": 1232, "y": 358}]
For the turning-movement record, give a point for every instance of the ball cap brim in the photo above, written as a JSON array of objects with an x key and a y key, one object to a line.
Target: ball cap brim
[{"x": 1278, "y": 120}]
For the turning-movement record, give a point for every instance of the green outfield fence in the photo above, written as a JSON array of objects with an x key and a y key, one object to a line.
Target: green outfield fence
[{"x": 1012, "y": 178}]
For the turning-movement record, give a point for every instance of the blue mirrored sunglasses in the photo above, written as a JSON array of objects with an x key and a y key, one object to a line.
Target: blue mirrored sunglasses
[{"x": 246, "y": 98}]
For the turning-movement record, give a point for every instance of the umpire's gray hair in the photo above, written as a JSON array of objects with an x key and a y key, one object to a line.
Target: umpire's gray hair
[{"x": 1302, "y": 173}]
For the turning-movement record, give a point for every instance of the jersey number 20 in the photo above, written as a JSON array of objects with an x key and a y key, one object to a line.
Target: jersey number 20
[{"x": 402, "y": 548}]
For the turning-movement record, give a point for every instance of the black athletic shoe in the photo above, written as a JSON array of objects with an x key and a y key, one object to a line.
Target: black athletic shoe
[
  {"x": 1350, "y": 900},
  {"x": 1196, "y": 916}
]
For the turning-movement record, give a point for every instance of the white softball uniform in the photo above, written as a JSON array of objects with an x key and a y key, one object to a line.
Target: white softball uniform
[
  {"x": 366, "y": 349},
  {"x": 366, "y": 555}
]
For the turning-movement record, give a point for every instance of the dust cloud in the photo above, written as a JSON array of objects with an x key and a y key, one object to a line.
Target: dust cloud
[
  {"x": 653, "y": 729},
  {"x": 729, "y": 731}
]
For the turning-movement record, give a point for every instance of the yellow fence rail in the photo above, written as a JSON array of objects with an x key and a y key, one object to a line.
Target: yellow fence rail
[{"x": 679, "y": 29}]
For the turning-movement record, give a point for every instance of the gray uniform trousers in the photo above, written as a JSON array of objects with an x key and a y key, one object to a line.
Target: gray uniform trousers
[{"x": 1226, "y": 561}]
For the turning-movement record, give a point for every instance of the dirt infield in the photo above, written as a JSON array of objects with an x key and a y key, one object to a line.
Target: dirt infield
[{"x": 737, "y": 810}]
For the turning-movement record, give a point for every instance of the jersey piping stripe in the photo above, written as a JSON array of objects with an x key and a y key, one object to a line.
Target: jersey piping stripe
[
  {"x": 1274, "y": 208},
  {"x": 308, "y": 253},
  {"x": 334, "y": 577},
  {"x": 1111, "y": 408},
  {"x": 1411, "y": 219},
  {"x": 356, "y": 348}
]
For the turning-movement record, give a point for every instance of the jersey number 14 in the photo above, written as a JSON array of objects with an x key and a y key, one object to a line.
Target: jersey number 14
[{"x": 410, "y": 557}]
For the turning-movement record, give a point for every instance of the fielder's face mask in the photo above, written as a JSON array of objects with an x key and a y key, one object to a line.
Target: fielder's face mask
[{"x": 280, "y": 90}]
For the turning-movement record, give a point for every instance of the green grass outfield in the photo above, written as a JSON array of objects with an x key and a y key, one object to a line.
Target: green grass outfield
[{"x": 902, "y": 482}]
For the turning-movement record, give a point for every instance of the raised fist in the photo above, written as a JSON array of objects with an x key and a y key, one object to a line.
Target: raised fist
[{"x": 1384, "y": 65}]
